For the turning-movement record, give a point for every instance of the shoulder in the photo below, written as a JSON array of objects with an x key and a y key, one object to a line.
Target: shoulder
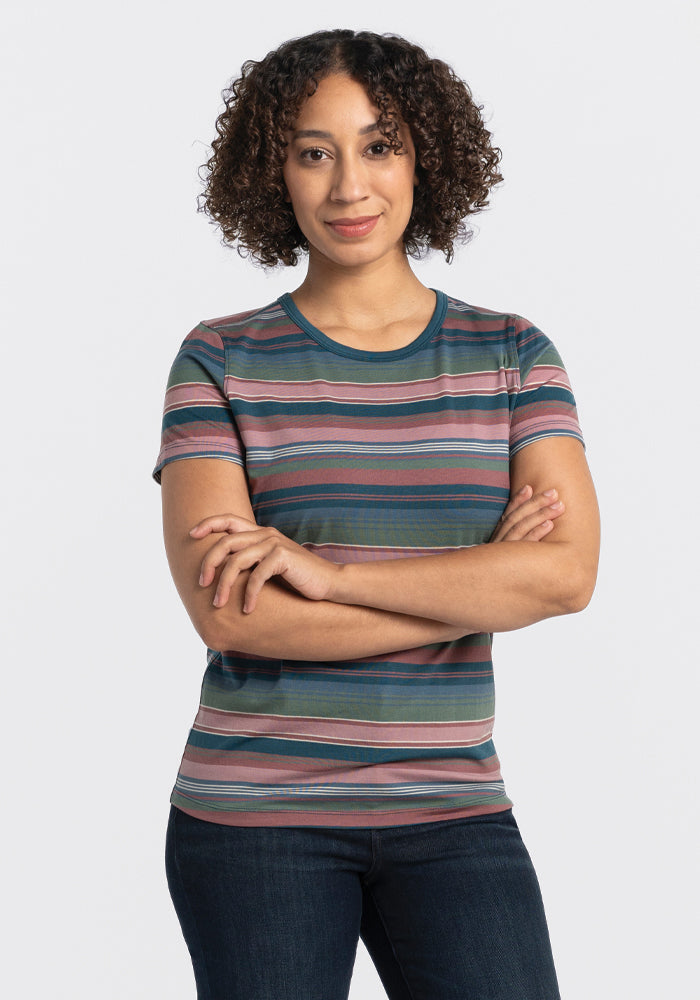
[
  {"x": 480, "y": 320},
  {"x": 510, "y": 323},
  {"x": 522, "y": 338},
  {"x": 211, "y": 339},
  {"x": 491, "y": 332},
  {"x": 236, "y": 325}
]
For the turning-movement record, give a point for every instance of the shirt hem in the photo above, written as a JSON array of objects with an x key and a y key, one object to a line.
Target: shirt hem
[{"x": 408, "y": 817}]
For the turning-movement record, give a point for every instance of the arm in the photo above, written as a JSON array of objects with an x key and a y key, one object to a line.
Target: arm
[
  {"x": 286, "y": 625},
  {"x": 492, "y": 588},
  {"x": 483, "y": 588}
]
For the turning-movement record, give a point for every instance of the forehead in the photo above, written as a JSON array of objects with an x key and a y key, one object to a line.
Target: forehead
[{"x": 338, "y": 100}]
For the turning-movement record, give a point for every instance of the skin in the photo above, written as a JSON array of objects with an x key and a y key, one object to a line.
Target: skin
[
  {"x": 252, "y": 589},
  {"x": 486, "y": 588},
  {"x": 360, "y": 291},
  {"x": 268, "y": 553}
]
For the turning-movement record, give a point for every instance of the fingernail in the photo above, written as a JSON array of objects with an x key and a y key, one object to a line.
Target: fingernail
[
  {"x": 201, "y": 579},
  {"x": 550, "y": 493},
  {"x": 523, "y": 489},
  {"x": 556, "y": 506}
]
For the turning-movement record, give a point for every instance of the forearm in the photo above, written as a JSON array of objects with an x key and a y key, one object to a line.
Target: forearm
[
  {"x": 486, "y": 588},
  {"x": 494, "y": 588},
  {"x": 288, "y": 626},
  {"x": 285, "y": 625}
]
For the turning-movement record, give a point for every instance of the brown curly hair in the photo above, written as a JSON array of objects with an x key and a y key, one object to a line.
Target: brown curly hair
[{"x": 456, "y": 165}]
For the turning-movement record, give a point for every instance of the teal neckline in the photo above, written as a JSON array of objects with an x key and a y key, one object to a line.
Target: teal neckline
[{"x": 436, "y": 321}]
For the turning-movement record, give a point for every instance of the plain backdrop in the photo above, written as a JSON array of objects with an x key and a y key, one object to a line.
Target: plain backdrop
[{"x": 106, "y": 266}]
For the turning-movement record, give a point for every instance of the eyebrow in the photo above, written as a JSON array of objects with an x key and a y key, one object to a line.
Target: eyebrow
[{"x": 314, "y": 133}]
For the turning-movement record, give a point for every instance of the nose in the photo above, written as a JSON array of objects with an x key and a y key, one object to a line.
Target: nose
[{"x": 349, "y": 181}]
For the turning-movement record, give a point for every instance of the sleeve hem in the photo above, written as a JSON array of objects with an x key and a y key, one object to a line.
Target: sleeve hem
[
  {"x": 236, "y": 459},
  {"x": 555, "y": 432}
]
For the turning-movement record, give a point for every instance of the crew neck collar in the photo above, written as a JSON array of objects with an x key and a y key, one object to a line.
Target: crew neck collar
[{"x": 434, "y": 324}]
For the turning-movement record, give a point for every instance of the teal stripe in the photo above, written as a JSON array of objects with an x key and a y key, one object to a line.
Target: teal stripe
[{"x": 230, "y": 747}]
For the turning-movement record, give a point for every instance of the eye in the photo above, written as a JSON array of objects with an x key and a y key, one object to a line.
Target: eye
[
  {"x": 378, "y": 149},
  {"x": 313, "y": 155}
]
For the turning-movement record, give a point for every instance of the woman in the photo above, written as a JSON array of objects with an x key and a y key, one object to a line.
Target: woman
[{"x": 358, "y": 443}]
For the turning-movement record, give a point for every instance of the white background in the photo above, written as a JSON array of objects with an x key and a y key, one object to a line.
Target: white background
[{"x": 107, "y": 266}]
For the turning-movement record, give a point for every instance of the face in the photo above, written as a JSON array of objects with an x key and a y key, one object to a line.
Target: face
[{"x": 351, "y": 194}]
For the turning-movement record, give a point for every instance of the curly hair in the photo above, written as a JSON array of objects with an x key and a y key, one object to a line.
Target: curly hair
[{"x": 456, "y": 165}]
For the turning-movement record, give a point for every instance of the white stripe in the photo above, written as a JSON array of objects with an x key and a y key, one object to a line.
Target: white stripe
[
  {"x": 260, "y": 791},
  {"x": 336, "y": 718},
  {"x": 446, "y": 376},
  {"x": 433, "y": 449}
]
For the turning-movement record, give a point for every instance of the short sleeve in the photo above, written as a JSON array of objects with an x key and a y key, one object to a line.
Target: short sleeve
[
  {"x": 197, "y": 417},
  {"x": 544, "y": 405}
]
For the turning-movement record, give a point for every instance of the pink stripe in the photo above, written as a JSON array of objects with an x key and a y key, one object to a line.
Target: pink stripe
[
  {"x": 546, "y": 374},
  {"x": 542, "y": 425},
  {"x": 401, "y": 817},
  {"x": 210, "y": 337},
  {"x": 220, "y": 445},
  {"x": 268, "y": 433},
  {"x": 350, "y": 732},
  {"x": 264, "y": 769},
  {"x": 194, "y": 394}
]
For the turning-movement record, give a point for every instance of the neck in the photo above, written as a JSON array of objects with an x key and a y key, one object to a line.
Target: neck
[{"x": 360, "y": 297}]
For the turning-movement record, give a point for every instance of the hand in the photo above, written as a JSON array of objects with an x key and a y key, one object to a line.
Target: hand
[
  {"x": 245, "y": 545},
  {"x": 528, "y": 518},
  {"x": 267, "y": 552}
]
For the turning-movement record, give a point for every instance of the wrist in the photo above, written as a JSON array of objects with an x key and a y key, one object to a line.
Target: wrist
[{"x": 341, "y": 591}]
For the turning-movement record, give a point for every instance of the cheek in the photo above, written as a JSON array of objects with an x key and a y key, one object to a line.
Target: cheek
[
  {"x": 409, "y": 182},
  {"x": 300, "y": 192},
  {"x": 407, "y": 178}
]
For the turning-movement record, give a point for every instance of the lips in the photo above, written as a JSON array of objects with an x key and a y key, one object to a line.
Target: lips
[{"x": 352, "y": 228}]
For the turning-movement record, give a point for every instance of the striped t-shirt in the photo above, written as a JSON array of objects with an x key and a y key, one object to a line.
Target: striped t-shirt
[{"x": 359, "y": 455}]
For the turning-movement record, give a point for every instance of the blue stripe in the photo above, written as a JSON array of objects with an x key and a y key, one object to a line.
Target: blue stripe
[{"x": 328, "y": 752}]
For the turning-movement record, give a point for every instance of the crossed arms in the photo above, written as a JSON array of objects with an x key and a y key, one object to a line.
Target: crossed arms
[{"x": 278, "y": 600}]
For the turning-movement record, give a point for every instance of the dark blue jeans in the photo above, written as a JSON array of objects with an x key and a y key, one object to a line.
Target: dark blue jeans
[{"x": 448, "y": 910}]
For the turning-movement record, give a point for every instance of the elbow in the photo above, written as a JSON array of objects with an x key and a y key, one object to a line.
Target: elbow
[
  {"x": 577, "y": 590},
  {"x": 224, "y": 629},
  {"x": 211, "y": 637},
  {"x": 207, "y": 634},
  {"x": 229, "y": 628},
  {"x": 208, "y": 626}
]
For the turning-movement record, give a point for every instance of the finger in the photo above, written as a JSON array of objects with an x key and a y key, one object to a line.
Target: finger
[
  {"x": 521, "y": 497},
  {"x": 535, "y": 503},
  {"x": 272, "y": 565},
  {"x": 515, "y": 503},
  {"x": 539, "y": 531},
  {"x": 519, "y": 530},
  {"x": 224, "y": 548},
  {"x": 221, "y": 522},
  {"x": 519, "y": 509},
  {"x": 234, "y": 566}
]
